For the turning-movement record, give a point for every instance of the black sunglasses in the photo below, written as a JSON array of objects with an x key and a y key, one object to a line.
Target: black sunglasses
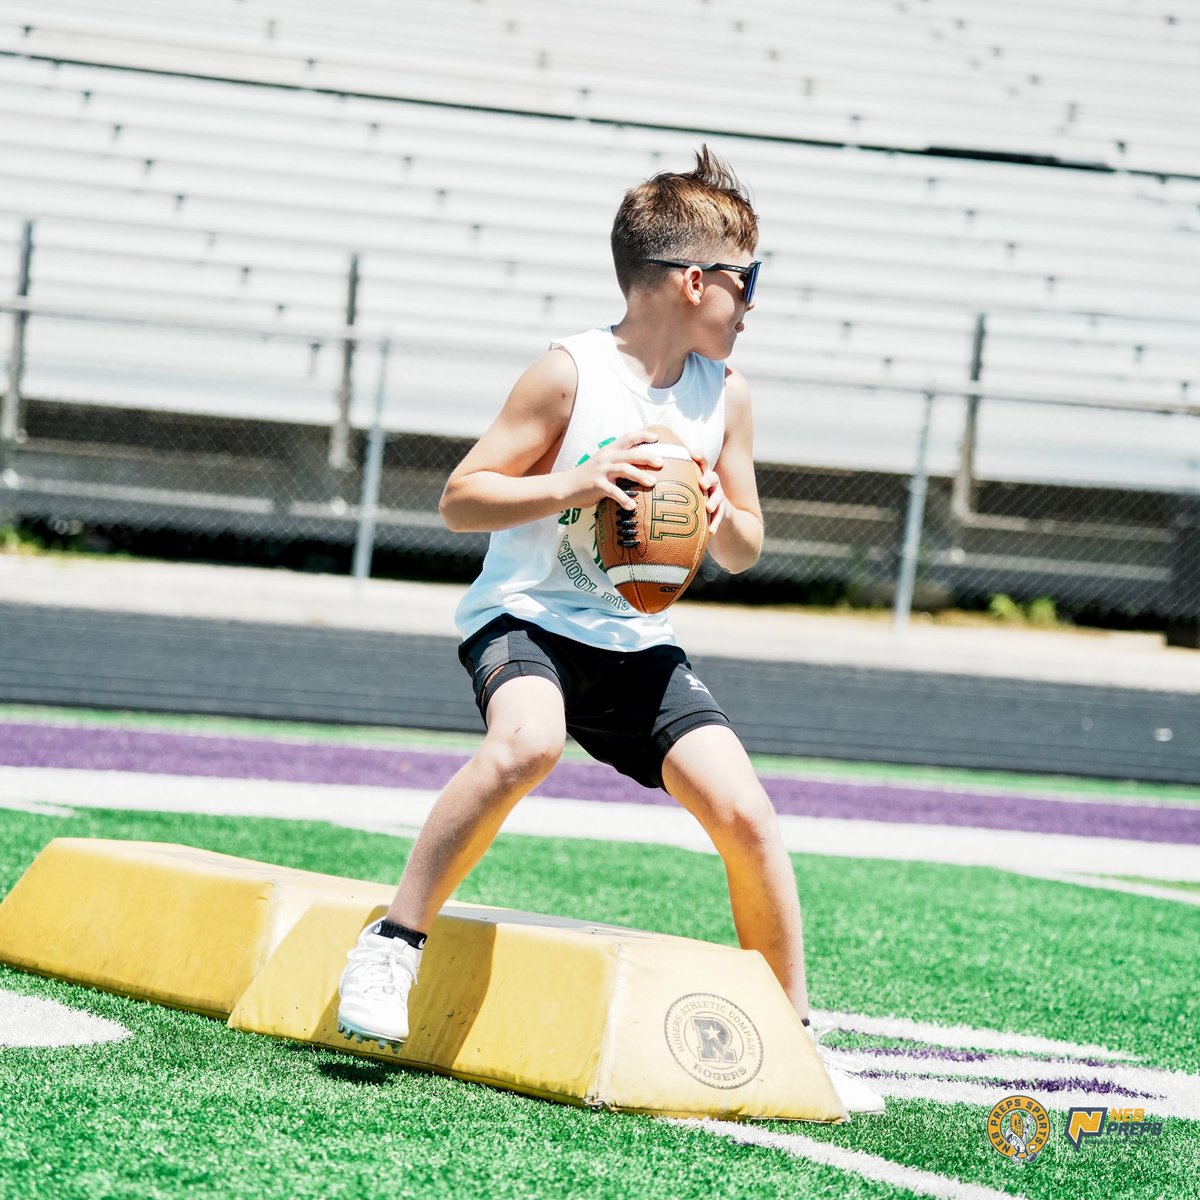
[{"x": 749, "y": 275}]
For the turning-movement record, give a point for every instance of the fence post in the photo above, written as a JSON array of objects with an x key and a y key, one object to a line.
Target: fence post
[
  {"x": 368, "y": 505},
  {"x": 339, "y": 435},
  {"x": 10, "y": 409},
  {"x": 1183, "y": 618},
  {"x": 962, "y": 497},
  {"x": 918, "y": 485}
]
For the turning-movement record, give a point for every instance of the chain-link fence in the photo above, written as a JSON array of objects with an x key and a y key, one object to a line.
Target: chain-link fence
[
  {"x": 1015, "y": 527},
  {"x": 326, "y": 448}
]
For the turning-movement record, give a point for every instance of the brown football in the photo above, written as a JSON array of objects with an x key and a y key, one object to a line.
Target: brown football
[{"x": 653, "y": 552}]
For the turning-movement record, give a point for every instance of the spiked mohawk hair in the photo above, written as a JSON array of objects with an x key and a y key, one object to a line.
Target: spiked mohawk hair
[{"x": 676, "y": 215}]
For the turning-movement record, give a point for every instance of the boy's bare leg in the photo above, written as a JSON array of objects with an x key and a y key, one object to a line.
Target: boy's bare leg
[
  {"x": 710, "y": 774},
  {"x": 526, "y": 730}
]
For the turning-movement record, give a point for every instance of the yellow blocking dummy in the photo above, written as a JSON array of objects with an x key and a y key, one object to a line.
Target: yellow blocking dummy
[
  {"x": 585, "y": 1014},
  {"x": 186, "y": 927}
]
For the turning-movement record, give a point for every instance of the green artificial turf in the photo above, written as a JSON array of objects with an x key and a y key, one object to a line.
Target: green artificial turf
[{"x": 187, "y": 1107}]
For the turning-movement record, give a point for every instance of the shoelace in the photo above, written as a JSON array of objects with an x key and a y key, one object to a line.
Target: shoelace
[{"x": 378, "y": 971}]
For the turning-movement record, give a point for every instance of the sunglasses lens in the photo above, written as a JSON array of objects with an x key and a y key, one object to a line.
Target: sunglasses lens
[{"x": 750, "y": 282}]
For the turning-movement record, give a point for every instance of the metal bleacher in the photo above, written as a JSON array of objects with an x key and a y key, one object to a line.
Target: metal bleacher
[
  {"x": 221, "y": 173},
  {"x": 1030, "y": 78}
]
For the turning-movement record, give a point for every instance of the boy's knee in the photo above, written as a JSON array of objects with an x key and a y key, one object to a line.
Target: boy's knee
[
  {"x": 526, "y": 755},
  {"x": 747, "y": 820}
]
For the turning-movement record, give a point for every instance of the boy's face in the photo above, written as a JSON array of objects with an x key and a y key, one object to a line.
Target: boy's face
[{"x": 722, "y": 309}]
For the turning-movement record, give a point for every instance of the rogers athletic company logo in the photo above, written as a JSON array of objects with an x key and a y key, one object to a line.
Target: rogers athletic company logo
[
  {"x": 1019, "y": 1128},
  {"x": 713, "y": 1040}
]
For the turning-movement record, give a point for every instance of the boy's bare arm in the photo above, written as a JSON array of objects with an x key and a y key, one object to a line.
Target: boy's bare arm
[
  {"x": 735, "y": 516},
  {"x": 505, "y": 479}
]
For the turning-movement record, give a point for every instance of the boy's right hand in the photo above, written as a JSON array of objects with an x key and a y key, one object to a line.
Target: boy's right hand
[{"x": 631, "y": 456}]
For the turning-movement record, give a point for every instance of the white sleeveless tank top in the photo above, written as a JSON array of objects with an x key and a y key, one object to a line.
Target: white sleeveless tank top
[{"x": 547, "y": 571}]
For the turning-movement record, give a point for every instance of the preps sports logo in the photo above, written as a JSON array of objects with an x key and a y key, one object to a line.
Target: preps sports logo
[
  {"x": 1084, "y": 1123},
  {"x": 1019, "y": 1128},
  {"x": 713, "y": 1040}
]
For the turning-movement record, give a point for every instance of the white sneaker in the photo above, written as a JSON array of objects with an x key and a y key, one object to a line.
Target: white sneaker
[
  {"x": 374, "y": 989},
  {"x": 855, "y": 1095}
]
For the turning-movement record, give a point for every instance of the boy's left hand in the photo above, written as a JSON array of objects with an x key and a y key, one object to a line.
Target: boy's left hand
[{"x": 718, "y": 505}]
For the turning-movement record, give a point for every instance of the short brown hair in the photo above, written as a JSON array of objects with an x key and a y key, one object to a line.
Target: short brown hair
[{"x": 676, "y": 215}]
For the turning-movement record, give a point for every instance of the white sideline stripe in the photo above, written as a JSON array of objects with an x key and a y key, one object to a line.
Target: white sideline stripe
[
  {"x": 30, "y": 1021},
  {"x": 959, "y": 1037},
  {"x": 647, "y": 573},
  {"x": 37, "y": 807},
  {"x": 1119, "y": 885},
  {"x": 869, "y": 1166},
  {"x": 401, "y": 811}
]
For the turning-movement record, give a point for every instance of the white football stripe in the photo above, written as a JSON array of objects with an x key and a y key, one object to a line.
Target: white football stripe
[
  {"x": 29, "y": 1021},
  {"x": 671, "y": 450},
  {"x": 647, "y": 573},
  {"x": 869, "y": 1166}
]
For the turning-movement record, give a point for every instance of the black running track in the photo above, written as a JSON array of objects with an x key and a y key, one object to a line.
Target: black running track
[{"x": 94, "y": 659}]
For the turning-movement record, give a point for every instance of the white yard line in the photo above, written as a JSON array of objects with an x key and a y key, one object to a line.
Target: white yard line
[
  {"x": 1119, "y": 885},
  {"x": 960, "y": 1037},
  {"x": 402, "y": 811},
  {"x": 29, "y": 1021},
  {"x": 869, "y": 1166}
]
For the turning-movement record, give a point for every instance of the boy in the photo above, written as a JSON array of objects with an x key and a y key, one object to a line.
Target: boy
[{"x": 553, "y": 650}]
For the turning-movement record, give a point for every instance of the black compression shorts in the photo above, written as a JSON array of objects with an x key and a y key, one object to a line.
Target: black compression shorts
[{"x": 624, "y": 708}]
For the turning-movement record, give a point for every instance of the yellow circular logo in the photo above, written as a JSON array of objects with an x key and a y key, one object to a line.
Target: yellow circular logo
[{"x": 1019, "y": 1128}]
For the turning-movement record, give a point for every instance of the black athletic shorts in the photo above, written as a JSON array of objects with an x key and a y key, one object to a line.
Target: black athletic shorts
[{"x": 624, "y": 708}]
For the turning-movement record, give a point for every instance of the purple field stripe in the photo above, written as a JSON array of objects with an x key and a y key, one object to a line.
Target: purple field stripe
[
  {"x": 942, "y": 1055},
  {"x": 101, "y": 749},
  {"x": 912, "y": 806},
  {"x": 155, "y": 752},
  {"x": 1104, "y": 1087}
]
